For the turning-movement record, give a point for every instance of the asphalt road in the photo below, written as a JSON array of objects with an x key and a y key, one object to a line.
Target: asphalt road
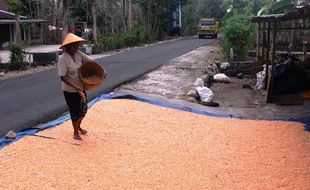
[{"x": 29, "y": 100}]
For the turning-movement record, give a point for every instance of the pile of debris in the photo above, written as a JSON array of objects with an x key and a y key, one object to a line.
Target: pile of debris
[{"x": 218, "y": 72}]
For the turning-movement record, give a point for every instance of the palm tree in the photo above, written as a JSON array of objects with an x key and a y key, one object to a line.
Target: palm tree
[{"x": 16, "y": 6}]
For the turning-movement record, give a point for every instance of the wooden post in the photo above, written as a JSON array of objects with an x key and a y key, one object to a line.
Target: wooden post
[
  {"x": 267, "y": 55},
  {"x": 304, "y": 49},
  {"x": 11, "y": 33},
  {"x": 41, "y": 32},
  {"x": 257, "y": 42},
  {"x": 270, "y": 81},
  {"x": 24, "y": 29},
  {"x": 274, "y": 45},
  {"x": 264, "y": 44}
]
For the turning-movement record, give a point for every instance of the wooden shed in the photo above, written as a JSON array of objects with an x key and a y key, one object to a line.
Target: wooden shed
[
  {"x": 34, "y": 31},
  {"x": 280, "y": 35}
]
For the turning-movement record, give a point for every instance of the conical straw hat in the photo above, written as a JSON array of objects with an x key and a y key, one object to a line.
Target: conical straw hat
[{"x": 71, "y": 38}]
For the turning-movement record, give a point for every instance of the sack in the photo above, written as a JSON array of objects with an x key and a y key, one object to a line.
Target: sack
[
  {"x": 260, "y": 80},
  {"x": 221, "y": 77},
  {"x": 205, "y": 94}
]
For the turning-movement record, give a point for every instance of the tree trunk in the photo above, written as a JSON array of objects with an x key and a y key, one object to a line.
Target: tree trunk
[
  {"x": 112, "y": 25},
  {"x": 125, "y": 15},
  {"x": 65, "y": 21},
  {"x": 94, "y": 15},
  {"x": 292, "y": 33},
  {"x": 18, "y": 35},
  {"x": 105, "y": 25},
  {"x": 24, "y": 32},
  {"x": 129, "y": 16},
  {"x": 54, "y": 18}
]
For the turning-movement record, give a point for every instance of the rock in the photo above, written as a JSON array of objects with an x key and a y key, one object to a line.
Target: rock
[
  {"x": 234, "y": 68},
  {"x": 192, "y": 93},
  {"x": 224, "y": 65},
  {"x": 192, "y": 99},
  {"x": 1, "y": 74},
  {"x": 212, "y": 69},
  {"x": 10, "y": 135},
  {"x": 199, "y": 82},
  {"x": 240, "y": 76},
  {"x": 208, "y": 80}
]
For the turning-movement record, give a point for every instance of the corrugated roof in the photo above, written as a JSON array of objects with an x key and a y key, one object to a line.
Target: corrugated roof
[
  {"x": 297, "y": 13},
  {"x": 8, "y": 15},
  {"x": 10, "y": 21}
]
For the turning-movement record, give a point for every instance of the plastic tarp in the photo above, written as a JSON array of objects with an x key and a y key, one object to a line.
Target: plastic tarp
[{"x": 31, "y": 131}]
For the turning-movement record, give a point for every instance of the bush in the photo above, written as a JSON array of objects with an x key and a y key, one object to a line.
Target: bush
[
  {"x": 238, "y": 34},
  {"x": 139, "y": 35},
  {"x": 17, "y": 57}
]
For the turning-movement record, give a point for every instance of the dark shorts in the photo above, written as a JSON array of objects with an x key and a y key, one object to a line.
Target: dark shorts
[{"x": 76, "y": 105}]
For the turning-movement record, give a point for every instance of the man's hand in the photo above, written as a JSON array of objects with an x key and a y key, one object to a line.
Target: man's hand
[{"x": 81, "y": 93}]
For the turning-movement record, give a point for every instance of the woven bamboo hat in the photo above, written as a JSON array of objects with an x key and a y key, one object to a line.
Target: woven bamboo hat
[
  {"x": 91, "y": 75},
  {"x": 71, "y": 38}
]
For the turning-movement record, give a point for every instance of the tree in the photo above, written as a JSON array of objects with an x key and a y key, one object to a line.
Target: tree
[
  {"x": 276, "y": 6},
  {"x": 234, "y": 4},
  {"x": 213, "y": 9},
  {"x": 65, "y": 19},
  {"x": 238, "y": 34},
  {"x": 94, "y": 15},
  {"x": 17, "y": 7}
]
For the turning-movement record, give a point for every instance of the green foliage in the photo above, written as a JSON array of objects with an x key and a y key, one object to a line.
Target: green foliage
[
  {"x": 238, "y": 33},
  {"x": 159, "y": 13},
  {"x": 250, "y": 5},
  {"x": 276, "y": 6},
  {"x": 16, "y": 6},
  {"x": 139, "y": 35},
  {"x": 17, "y": 57},
  {"x": 234, "y": 4}
]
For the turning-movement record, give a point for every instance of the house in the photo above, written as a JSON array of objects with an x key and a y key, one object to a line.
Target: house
[{"x": 32, "y": 29}]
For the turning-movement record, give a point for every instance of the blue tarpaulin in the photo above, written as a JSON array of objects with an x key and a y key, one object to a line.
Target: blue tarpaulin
[{"x": 32, "y": 131}]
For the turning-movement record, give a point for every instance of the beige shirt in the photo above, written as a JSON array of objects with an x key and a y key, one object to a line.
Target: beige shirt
[{"x": 68, "y": 68}]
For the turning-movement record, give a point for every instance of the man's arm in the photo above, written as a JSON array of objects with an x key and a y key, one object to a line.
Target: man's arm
[{"x": 78, "y": 89}]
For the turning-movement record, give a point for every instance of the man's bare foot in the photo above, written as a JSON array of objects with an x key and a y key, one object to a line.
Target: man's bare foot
[
  {"x": 83, "y": 131},
  {"x": 76, "y": 136}
]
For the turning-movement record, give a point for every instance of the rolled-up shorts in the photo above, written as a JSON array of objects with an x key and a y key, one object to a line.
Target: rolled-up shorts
[{"x": 77, "y": 107}]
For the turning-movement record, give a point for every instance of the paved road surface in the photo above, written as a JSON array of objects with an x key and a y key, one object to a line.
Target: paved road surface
[{"x": 29, "y": 100}]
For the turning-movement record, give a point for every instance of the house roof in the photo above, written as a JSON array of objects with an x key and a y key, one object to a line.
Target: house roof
[
  {"x": 8, "y": 15},
  {"x": 9, "y": 18},
  {"x": 297, "y": 13},
  {"x": 10, "y": 21}
]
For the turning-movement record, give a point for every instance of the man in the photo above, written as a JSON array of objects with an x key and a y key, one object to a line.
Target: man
[{"x": 74, "y": 91}]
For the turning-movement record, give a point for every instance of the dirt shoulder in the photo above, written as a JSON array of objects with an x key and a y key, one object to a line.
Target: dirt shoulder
[{"x": 172, "y": 83}]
